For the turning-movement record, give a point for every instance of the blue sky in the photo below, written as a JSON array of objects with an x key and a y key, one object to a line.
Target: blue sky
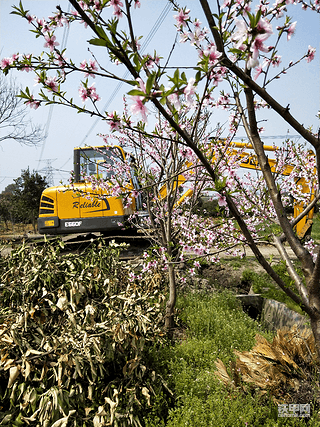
[{"x": 67, "y": 129}]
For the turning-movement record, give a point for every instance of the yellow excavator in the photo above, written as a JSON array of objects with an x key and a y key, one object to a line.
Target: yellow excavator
[
  {"x": 249, "y": 161},
  {"x": 82, "y": 208}
]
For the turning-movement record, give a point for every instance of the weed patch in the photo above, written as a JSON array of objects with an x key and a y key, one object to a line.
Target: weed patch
[{"x": 215, "y": 326}]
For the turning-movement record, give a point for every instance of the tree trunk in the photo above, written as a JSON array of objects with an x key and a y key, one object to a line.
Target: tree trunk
[
  {"x": 6, "y": 224},
  {"x": 169, "y": 319},
  {"x": 315, "y": 326},
  {"x": 314, "y": 304},
  {"x": 34, "y": 225}
]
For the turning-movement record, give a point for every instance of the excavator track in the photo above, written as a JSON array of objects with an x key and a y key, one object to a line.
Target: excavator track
[
  {"x": 77, "y": 243},
  {"x": 137, "y": 243}
]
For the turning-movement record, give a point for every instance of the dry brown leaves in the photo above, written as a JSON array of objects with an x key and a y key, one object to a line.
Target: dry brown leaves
[{"x": 273, "y": 366}]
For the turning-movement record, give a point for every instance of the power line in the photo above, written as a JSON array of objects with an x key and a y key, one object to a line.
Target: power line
[
  {"x": 149, "y": 37},
  {"x": 48, "y": 171},
  {"x": 287, "y": 136},
  {"x": 63, "y": 46}
]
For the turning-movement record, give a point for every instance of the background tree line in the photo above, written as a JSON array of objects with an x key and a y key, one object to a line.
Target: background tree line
[{"x": 19, "y": 202}]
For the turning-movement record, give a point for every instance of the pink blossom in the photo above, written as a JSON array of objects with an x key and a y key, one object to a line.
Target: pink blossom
[
  {"x": 264, "y": 27},
  {"x": 32, "y": 103},
  {"x": 223, "y": 100},
  {"x": 258, "y": 72},
  {"x": 88, "y": 92},
  {"x": 222, "y": 201},
  {"x": 30, "y": 18},
  {"x": 117, "y": 12},
  {"x": 291, "y": 30},
  {"x": 192, "y": 272},
  {"x": 189, "y": 91},
  {"x": 61, "y": 59},
  {"x": 174, "y": 99},
  {"x": 137, "y": 42},
  {"x": 241, "y": 35},
  {"x": 114, "y": 126},
  {"x": 255, "y": 47},
  {"x": 139, "y": 108},
  {"x": 37, "y": 80},
  {"x": 50, "y": 42},
  {"x": 114, "y": 121},
  {"x": 213, "y": 54},
  {"x": 43, "y": 25},
  {"x": 92, "y": 66},
  {"x": 216, "y": 77},
  {"x": 117, "y": 4},
  {"x": 276, "y": 60},
  {"x": 52, "y": 84},
  {"x": 226, "y": 3},
  {"x": 27, "y": 68},
  {"x": 182, "y": 17},
  {"x": 197, "y": 23},
  {"x": 310, "y": 54},
  {"x": 83, "y": 5},
  {"x": 252, "y": 62},
  {"x": 97, "y": 5},
  {"x": 141, "y": 84},
  {"x": 131, "y": 276},
  {"x": 196, "y": 37},
  {"x": 184, "y": 36},
  {"x": 137, "y": 4},
  {"x": 6, "y": 62},
  {"x": 40, "y": 22},
  {"x": 58, "y": 20}
]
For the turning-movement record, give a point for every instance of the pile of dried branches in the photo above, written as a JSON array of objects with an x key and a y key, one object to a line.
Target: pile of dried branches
[{"x": 281, "y": 367}]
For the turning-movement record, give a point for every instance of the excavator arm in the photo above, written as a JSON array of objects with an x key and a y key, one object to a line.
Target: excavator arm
[{"x": 250, "y": 161}]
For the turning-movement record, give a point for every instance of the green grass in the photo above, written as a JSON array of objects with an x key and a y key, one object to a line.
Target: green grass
[
  {"x": 315, "y": 233},
  {"x": 264, "y": 285},
  {"x": 215, "y": 327}
]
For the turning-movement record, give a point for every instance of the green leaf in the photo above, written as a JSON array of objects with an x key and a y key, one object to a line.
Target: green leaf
[
  {"x": 176, "y": 77},
  {"x": 198, "y": 76},
  {"x": 137, "y": 62},
  {"x": 252, "y": 19},
  {"x": 258, "y": 16},
  {"x": 150, "y": 82},
  {"x": 220, "y": 184},
  {"x": 101, "y": 33},
  {"x": 136, "y": 92},
  {"x": 184, "y": 78},
  {"x": 98, "y": 42},
  {"x": 236, "y": 51}
]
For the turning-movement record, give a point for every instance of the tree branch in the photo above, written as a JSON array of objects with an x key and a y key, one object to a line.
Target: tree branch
[{"x": 245, "y": 78}]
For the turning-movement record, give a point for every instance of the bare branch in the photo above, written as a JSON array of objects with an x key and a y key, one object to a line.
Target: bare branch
[{"x": 14, "y": 121}]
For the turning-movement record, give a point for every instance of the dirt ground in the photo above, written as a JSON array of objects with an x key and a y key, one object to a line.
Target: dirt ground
[{"x": 226, "y": 276}]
